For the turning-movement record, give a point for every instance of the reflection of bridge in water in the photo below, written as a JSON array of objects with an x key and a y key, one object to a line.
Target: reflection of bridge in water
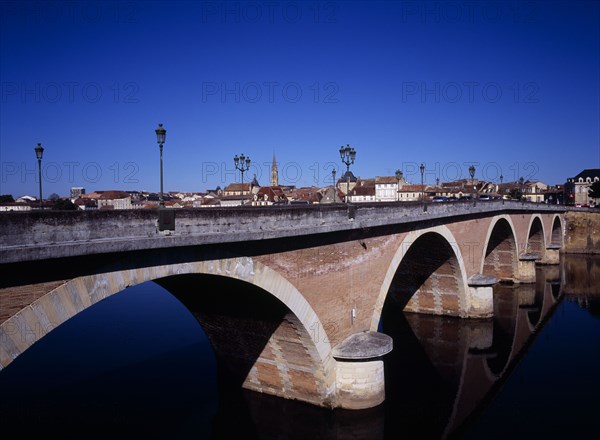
[{"x": 467, "y": 359}]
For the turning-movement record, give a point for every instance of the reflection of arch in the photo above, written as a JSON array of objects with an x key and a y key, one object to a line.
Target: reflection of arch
[
  {"x": 535, "y": 308},
  {"x": 506, "y": 308},
  {"x": 38, "y": 319},
  {"x": 427, "y": 273},
  {"x": 527, "y": 312},
  {"x": 536, "y": 242},
  {"x": 500, "y": 249},
  {"x": 557, "y": 234}
]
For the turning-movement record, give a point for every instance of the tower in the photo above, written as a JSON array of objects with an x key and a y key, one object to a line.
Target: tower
[{"x": 274, "y": 174}]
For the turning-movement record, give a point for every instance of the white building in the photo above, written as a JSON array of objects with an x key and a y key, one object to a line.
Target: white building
[{"x": 386, "y": 188}]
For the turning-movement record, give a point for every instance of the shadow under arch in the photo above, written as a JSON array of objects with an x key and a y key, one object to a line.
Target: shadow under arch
[
  {"x": 500, "y": 250},
  {"x": 32, "y": 323},
  {"x": 536, "y": 242},
  {"x": 426, "y": 275},
  {"x": 259, "y": 343},
  {"x": 557, "y": 233}
]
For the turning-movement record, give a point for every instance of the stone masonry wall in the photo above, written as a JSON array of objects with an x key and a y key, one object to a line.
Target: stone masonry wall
[{"x": 582, "y": 232}]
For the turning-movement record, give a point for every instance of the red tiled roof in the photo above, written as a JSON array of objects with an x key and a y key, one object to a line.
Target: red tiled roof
[
  {"x": 385, "y": 179},
  {"x": 363, "y": 191},
  {"x": 112, "y": 195}
]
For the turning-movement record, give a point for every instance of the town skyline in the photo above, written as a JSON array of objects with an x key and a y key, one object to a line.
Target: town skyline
[{"x": 410, "y": 177}]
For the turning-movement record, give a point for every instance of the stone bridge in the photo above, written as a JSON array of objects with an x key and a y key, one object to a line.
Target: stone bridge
[{"x": 291, "y": 298}]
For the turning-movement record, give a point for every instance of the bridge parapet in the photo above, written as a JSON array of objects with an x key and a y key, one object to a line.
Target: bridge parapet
[{"x": 30, "y": 236}]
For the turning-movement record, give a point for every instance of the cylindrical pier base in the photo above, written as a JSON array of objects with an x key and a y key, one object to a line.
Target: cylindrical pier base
[
  {"x": 360, "y": 381},
  {"x": 526, "y": 268}
]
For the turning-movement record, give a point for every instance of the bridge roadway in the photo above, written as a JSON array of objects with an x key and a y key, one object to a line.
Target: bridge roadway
[{"x": 316, "y": 279}]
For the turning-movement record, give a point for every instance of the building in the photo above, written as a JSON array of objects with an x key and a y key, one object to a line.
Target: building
[
  {"x": 269, "y": 195},
  {"x": 577, "y": 188},
  {"x": 84, "y": 204},
  {"x": 330, "y": 194},
  {"x": 386, "y": 188},
  {"x": 347, "y": 182},
  {"x": 114, "y": 200},
  {"x": 554, "y": 195},
  {"x": 27, "y": 199},
  {"x": 237, "y": 189},
  {"x": 304, "y": 195},
  {"x": 15, "y": 206},
  {"x": 363, "y": 193},
  {"x": 534, "y": 191},
  {"x": 411, "y": 193},
  {"x": 76, "y": 192}
]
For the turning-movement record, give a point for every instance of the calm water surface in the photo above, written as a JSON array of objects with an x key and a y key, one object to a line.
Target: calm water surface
[{"x": 139, "y": 363}]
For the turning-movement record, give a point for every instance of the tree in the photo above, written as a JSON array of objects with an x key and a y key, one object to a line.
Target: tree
[
  {"x": 6, "y": 198},
  {"x": 594, "y": 191},
  {"x": 64, "y": 205},
  {"x": 515, "y": 193},
  {"x": 53, "y": 197}
]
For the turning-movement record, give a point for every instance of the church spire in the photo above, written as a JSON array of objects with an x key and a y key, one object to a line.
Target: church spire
[{"x": 274, "y": 174}]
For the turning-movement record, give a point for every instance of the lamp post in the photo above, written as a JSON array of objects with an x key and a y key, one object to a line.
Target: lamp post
[
  {"x": 398, "y": 178},
  {"x": 422, "y": 169},
  {"x": 500, "y": 189},
  {"x": 334, "y": 185},
  {"x": 242, "y": 163},
  {"x": 472, "y": 173},
  {"x": 39, "y": 152},
  {"x": 161, "y": 135},
  {"x": 347, "y": 155},
  {"x": 521, "y": 180}
]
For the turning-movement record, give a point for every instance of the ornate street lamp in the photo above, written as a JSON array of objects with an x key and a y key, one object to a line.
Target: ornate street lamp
[
  {"x": 472, "y": 173},
  {"x": 242, "y": 163},
  {"x": 422, "y": 169},
  {"x": 161, "y": 135},
  {"x": 334, "y": 185},
  {"x": 347, "y": 155},
  {"x": 521, "y": 181},
  {"x": 398, "y": 178},
  {"x": 500, "y": 189},
  {"x": 39, "y": 152}
]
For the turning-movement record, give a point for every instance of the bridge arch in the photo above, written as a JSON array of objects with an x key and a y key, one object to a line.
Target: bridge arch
[
  {"x": 557, "y": 232},
  {"x": 536, "y": 242},
  {"x": 438, "y": 285},
  {"x": 500, "y": 251},
  {"x": 33, "y": 322}
]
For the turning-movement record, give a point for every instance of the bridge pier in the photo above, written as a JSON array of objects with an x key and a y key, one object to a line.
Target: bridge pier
[
  {"x": 526, "y": 268},
  {"x": 552, "y": 255},
  {"x": 481, "y": 337},
  {"x": 482, "y": 295},
  {"x": 359, "y": 373}
]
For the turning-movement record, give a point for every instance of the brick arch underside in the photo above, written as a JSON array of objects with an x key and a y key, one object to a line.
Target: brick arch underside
[
  {"x": 535, "y": 238},
  {"x": 259, "y": 343},
  {"x": 501, "y": 252},
  {"x": 292, "y": 363},
  {"x": 428, "y": 279},
  {"x": 557, "y": 234}
]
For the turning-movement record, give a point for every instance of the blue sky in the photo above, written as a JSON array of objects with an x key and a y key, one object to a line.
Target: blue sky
[{"x": 512, "y": 86}]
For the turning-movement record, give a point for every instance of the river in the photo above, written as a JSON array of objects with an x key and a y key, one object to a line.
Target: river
[{"x": 139, "y": 363}]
